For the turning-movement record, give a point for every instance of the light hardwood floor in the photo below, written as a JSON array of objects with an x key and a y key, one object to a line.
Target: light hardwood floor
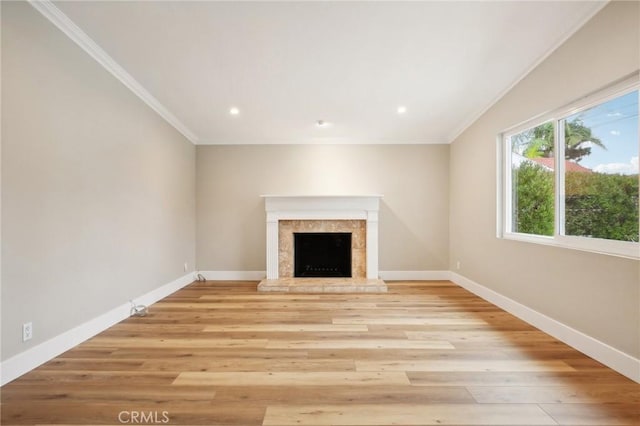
[{"x": 426, "y": 353}]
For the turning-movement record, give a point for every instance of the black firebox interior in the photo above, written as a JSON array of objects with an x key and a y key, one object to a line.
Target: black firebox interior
[{"x": 322, "y": 254}]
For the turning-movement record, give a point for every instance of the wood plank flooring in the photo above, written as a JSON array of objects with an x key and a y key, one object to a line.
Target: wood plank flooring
[{"x": 425, "y": 353}]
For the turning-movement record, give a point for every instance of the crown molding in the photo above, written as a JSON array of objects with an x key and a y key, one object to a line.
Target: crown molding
[
  {"x": 75, "y": 33},
  {"x": 475, "y": 116}
]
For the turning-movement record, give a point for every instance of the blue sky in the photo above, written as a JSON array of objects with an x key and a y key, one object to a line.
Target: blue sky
[{"x": 615, "y": 123}]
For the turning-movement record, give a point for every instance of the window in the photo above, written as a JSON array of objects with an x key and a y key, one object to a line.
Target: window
[
  {"x": 570, "y": 178},
  {"x": 532, "y": 180}
]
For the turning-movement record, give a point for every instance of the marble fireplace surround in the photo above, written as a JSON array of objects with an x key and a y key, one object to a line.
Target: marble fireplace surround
[
  {"x": 286, "y": 229},
  {"x": 358, "y": 214}
]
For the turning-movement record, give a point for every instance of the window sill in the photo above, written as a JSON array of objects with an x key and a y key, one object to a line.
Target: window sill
[{"x": 627, "y": 250}]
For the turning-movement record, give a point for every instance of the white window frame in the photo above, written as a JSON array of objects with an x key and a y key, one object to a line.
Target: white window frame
[{"x": 504, "y": 200}]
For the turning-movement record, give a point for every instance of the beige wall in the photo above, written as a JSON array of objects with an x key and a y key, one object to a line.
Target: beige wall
[
  {"x": 98, "y": 192},
  {"x": 412, "y": 178},
  {"x": 596, "y": 294}
]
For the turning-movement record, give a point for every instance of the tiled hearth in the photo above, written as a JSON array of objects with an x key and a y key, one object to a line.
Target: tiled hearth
[
  {"x": 357, "y": 215},
  {"x": 323, "y": 285}
]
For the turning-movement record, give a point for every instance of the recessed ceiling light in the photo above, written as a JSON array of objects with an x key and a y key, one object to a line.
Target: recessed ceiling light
[
  {"x": 322, "y": 123},
  {"x": 402, "y": 109},
  {"x": 234, "y": 111}
]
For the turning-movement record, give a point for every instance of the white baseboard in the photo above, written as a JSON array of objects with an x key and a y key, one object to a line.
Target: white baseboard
[
  {"x": 26, "y": 361},
  {"x": 414, "y": 275},
  {"x": 385, "y": 275},
  {"x": 613, "y": 358},
  {"x": 234, "y": 275}
]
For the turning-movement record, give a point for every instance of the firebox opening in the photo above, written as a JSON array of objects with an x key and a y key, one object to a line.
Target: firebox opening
[{"x": 322, "y": 254}]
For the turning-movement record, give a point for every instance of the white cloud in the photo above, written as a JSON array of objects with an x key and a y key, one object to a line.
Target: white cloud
[
  {"x": 615, "y": 132},
  {"x": 614, "y": 114},
  {"x": 630, "y": 168}
]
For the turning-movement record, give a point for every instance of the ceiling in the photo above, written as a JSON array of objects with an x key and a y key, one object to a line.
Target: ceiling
[{"x": 286, "y": 65}]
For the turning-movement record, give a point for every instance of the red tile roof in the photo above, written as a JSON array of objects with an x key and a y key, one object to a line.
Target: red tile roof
[{"x": 569, "y": 166}]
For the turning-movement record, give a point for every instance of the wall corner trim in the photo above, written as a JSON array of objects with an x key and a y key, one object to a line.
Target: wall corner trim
[
  {"x": 35, "y": 356},
  {"x": 613, "y": 358},
  {"x": 86, "y": 43}
]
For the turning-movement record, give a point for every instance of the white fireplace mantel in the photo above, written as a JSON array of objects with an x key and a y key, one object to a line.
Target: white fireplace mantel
[{"x": 322, "y": 207}]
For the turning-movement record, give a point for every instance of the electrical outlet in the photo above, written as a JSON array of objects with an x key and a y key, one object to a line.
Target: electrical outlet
[
  {"x": 458, "y": 264},
  {"x": 186, "y": 266},
  {"x": 27, "y": 331}
]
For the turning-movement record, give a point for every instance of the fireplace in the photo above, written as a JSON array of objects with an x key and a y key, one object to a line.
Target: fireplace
[
  {"x": 322, "y": 254},
  {"x": 348, "y": 224},
  {"x": 287, "y": 230}
]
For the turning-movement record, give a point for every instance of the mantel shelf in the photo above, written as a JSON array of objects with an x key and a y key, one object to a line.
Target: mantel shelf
[{"x": 322, "y": 207}]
